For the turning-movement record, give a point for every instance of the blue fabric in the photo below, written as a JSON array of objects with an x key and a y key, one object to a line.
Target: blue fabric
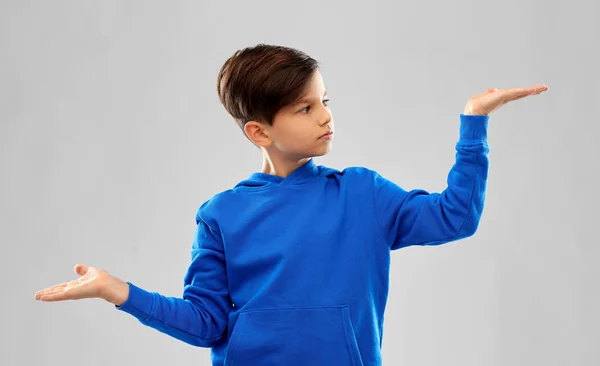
[{"x": 294, "y": 271}]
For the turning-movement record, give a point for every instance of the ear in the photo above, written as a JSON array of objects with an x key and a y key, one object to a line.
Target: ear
[{"x": 257, "y": 133}]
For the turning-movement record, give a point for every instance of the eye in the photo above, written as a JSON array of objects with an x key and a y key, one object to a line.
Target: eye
[{"x": 325, "y": 102}]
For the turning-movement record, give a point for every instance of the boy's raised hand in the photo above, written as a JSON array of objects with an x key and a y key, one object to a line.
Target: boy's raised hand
[
  {"x": 484, "y": 104},
  {"x": 93, "y": 283}
]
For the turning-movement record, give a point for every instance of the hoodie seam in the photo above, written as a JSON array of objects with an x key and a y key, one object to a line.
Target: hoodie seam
[{"x": 271, "y": 185}]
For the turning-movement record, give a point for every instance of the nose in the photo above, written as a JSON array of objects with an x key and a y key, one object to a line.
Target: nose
[{"x": 326, "y": 117}]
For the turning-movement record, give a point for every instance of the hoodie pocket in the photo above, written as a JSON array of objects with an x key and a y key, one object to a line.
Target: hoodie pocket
[{"x": 294, "y": 336}]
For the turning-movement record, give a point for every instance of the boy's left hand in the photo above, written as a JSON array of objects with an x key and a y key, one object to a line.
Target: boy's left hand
[{"x": 484, "y": 104}]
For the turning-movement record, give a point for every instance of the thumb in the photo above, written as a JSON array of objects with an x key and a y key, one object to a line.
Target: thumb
[
  {"x": 491, "y": 90},
  {"x": 81, "y": 269}
]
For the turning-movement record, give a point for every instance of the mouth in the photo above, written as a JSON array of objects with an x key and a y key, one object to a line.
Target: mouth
[{"x": 326, "y": 136}]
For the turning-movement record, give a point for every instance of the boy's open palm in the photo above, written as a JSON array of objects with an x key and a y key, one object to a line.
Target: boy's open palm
[
  {"x": 93, "y": 283},
  {"x": 492, "y": 99}
]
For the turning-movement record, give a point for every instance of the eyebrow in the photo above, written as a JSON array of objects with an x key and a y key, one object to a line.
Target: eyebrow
[{"x": 307, "y": 100}]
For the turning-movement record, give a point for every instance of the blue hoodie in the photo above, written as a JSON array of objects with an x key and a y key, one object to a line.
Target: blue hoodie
[{"x": 294, "y": 271}]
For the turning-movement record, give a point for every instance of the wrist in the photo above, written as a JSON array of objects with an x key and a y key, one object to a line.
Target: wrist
[
  {"x": 472, "y": 112},
  {"x": 116, "y": 291}
]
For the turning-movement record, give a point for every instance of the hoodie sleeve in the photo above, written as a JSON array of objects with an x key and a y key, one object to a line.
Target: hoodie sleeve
[
  {"x": 200, "y": 317},
  {"x": 418, "y": 217}
]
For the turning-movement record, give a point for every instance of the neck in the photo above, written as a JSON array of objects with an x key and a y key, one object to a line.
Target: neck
[{"x": 279, "y": 166}]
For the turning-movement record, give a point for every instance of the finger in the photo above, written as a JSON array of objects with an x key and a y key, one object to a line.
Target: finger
[
  {"x": 540, "y": 88},
  {"x": 73, "y": 291},
  {"x": 52, "y": 288},
  {"x": 52, "y": 292},
  {"x": 57, "y": 288},
  {"x": 81, "y": 269},
  {"x": 56, "y": 296},
  {"x": 518, "y": 93}
]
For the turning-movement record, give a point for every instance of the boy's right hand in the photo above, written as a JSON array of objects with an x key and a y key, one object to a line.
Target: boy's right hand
[{"x": 93, "y": 283}]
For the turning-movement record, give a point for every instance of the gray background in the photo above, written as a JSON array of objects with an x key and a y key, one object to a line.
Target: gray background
[{"x": 111, "y": 137}]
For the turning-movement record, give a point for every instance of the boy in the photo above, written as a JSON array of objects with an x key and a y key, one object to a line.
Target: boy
[{"x": 290, "y": 266}]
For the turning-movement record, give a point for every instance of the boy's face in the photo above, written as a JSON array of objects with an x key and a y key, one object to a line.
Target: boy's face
[{"x": 305, "y": 128}]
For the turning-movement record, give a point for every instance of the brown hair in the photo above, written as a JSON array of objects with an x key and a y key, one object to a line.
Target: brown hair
[{"x": 256, "y": 82}]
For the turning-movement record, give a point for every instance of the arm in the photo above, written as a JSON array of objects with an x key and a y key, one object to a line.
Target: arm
[
  {"x": 418, "y": 217},
  {"x": 200, "y": 317}
]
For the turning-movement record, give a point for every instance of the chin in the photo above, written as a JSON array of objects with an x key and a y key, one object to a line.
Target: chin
[
  {"x": 314, "y": 152},
  {"x": 322, "y": 152}
]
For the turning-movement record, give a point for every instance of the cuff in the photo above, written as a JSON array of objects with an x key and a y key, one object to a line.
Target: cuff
[
  {"x": 139, "y": 303},
  {"x": 473, "y": 129}
]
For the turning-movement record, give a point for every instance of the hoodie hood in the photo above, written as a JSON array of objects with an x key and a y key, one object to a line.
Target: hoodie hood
[{"x": 303, "y": 174}]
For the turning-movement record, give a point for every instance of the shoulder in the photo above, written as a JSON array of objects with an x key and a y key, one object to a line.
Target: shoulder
[
  {"x": 353, "y": 173},
  {"x": 362, "y": 179},
  {"x": 359, "y": 171},
  {"x": 354, "y": 179},
  {"x": 209, "y": 209}
]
